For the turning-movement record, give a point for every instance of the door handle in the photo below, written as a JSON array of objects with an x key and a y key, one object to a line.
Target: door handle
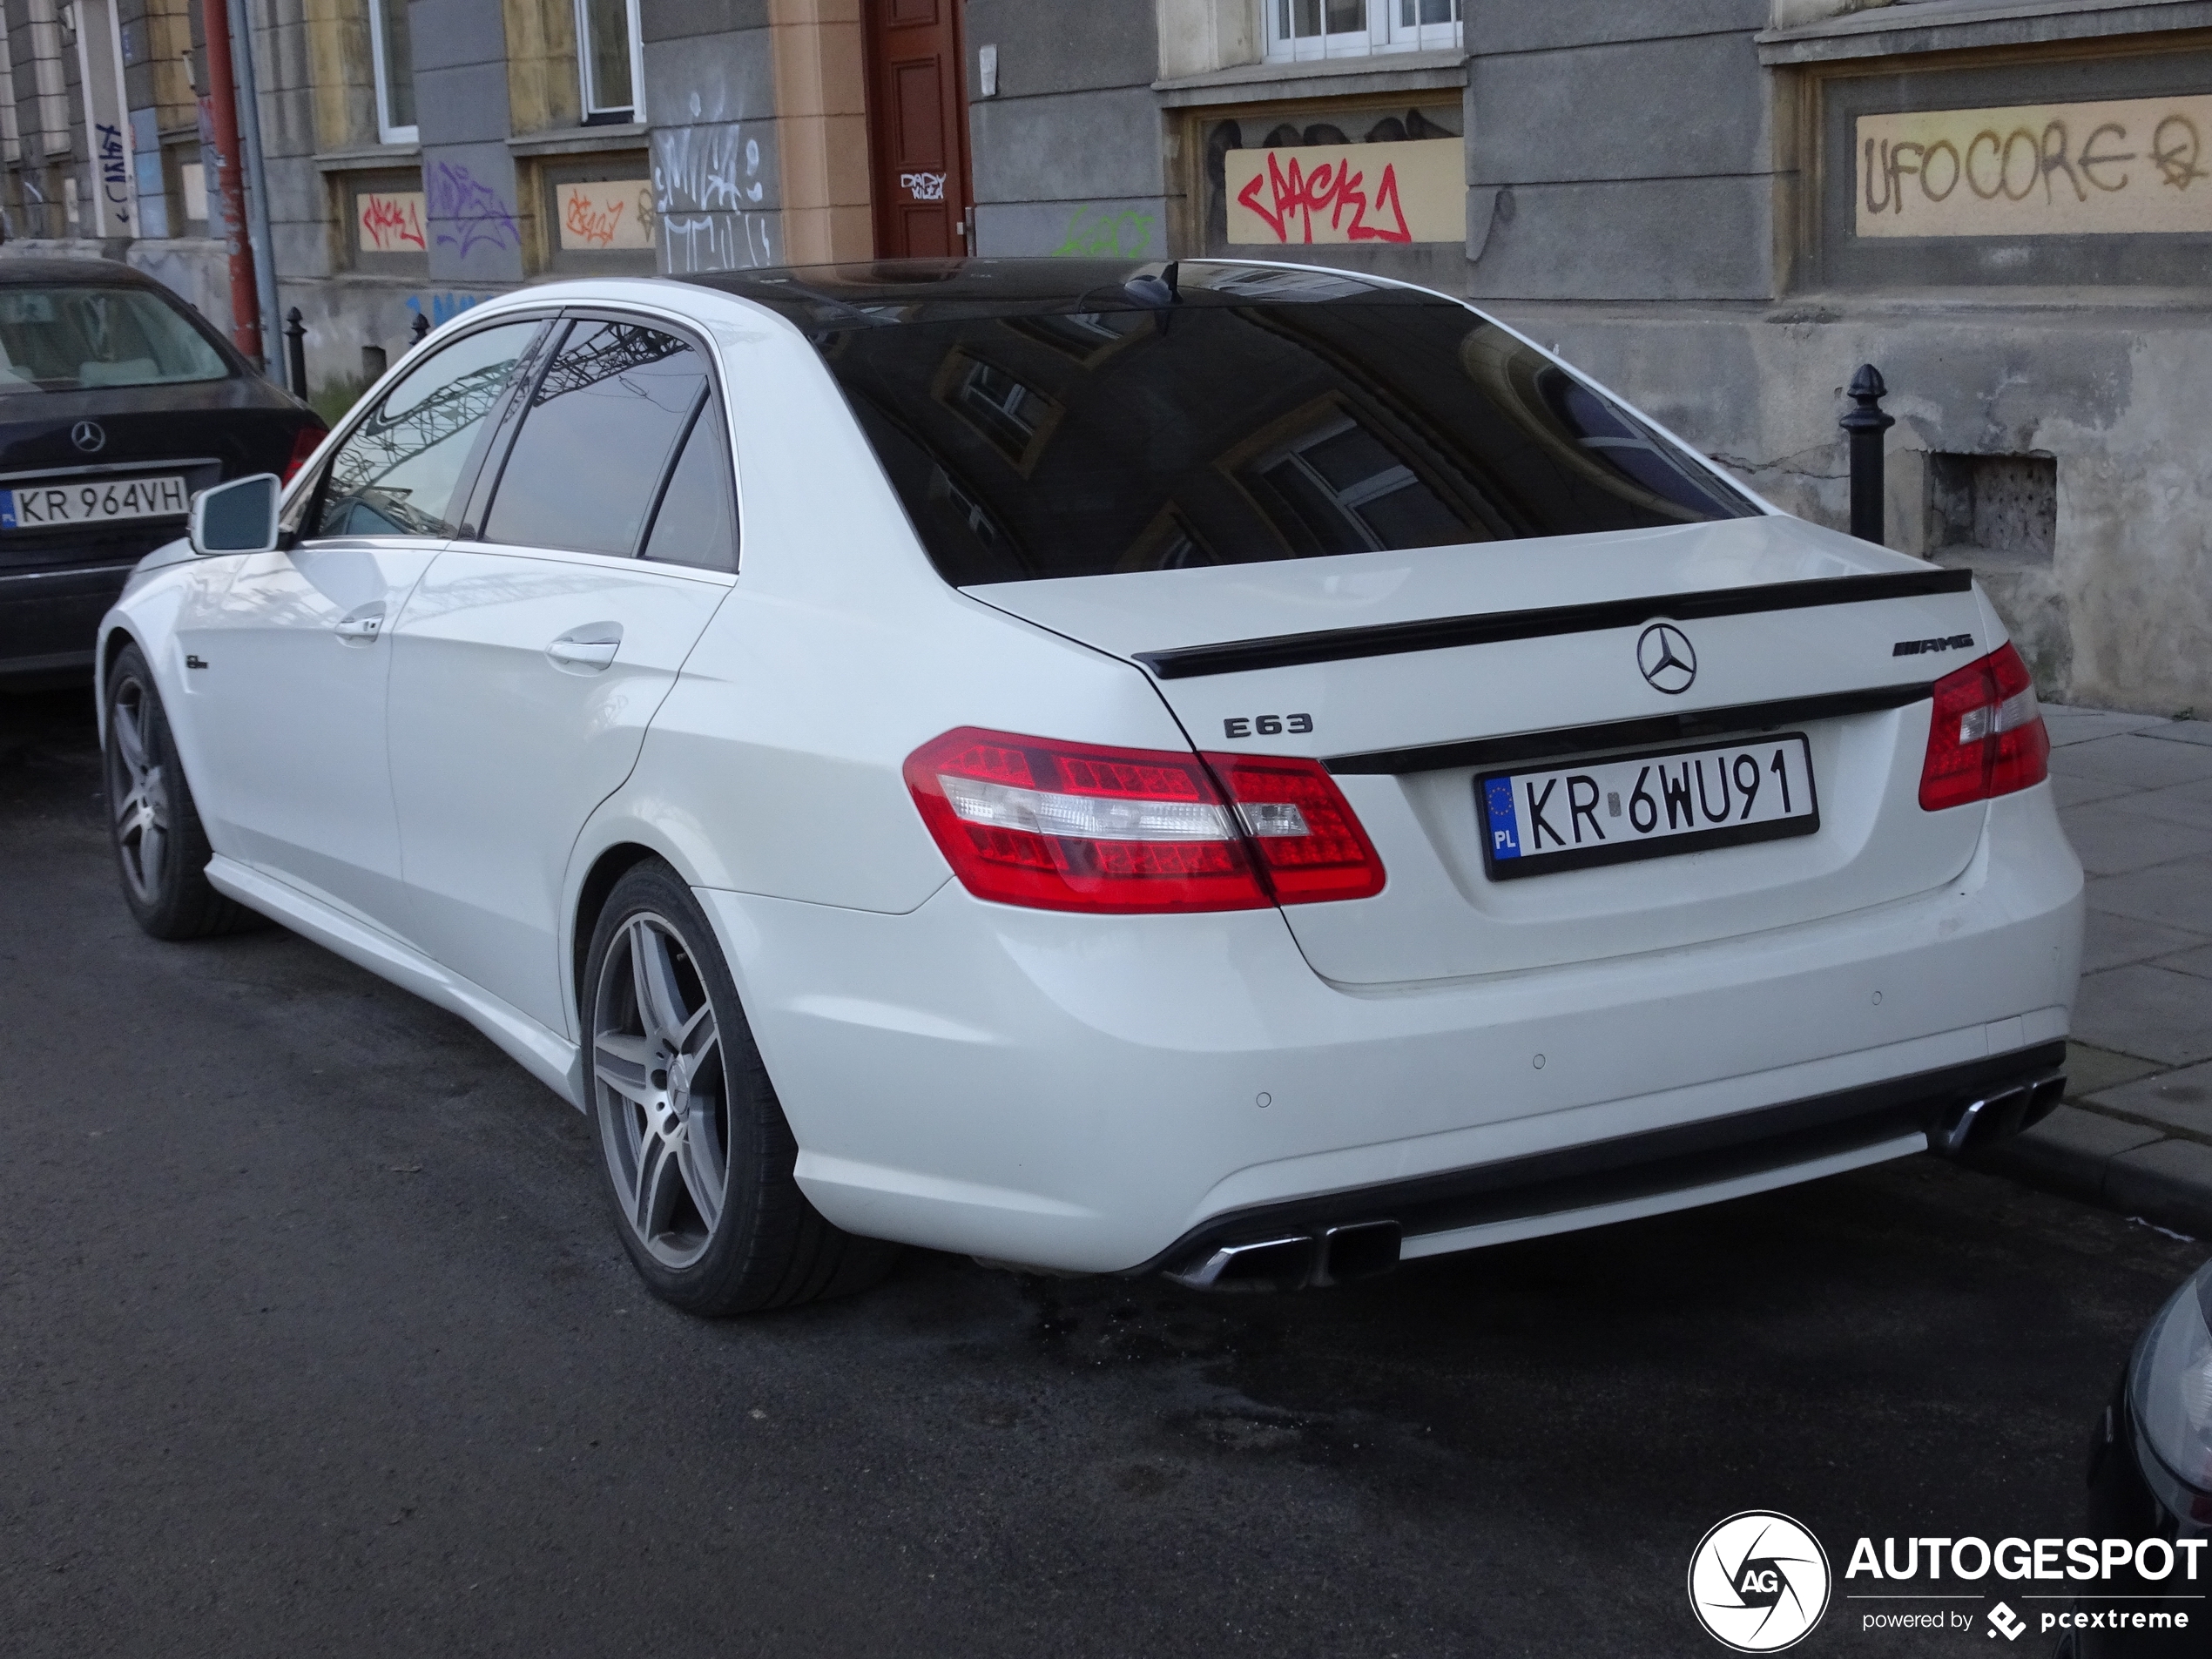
[
  {"x": 590, "y": 648},
  {"x": 364, "y": 623}
]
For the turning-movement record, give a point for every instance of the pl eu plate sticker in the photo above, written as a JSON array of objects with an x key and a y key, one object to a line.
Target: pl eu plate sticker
[{"x": 1505, "y": 822}]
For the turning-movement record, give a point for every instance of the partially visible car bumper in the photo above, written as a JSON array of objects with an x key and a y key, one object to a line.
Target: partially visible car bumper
[
  {"x": 50, "y": 619},
  {"x": 1090, "y": 1093}
]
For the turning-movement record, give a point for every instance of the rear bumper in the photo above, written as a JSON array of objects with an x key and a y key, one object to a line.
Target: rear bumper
[
  {"x": 1095, "y": 1093},
  {"x": 50, "y": 619}
]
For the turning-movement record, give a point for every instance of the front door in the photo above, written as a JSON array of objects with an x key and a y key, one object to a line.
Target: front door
[
  {"x": 531, "y": 659},
  {"x": 288, "y": 664},
  {"x": 918, "y": 130}
]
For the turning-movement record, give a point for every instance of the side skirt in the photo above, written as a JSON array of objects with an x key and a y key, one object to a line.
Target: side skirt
[{"x": 551, "y": 1058}]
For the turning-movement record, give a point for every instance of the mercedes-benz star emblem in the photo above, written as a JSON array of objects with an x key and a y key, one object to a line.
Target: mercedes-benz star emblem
[
  {"x": 1667, "y": 658},
  {"x": 88, "y": 436}
]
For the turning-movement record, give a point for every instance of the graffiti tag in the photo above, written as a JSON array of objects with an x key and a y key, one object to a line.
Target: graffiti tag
[
  {"x": 392, "y": 223},
  {"x": 1329, "y": 188},
  {"x": 465, "y": 212},
  {"x": 1099, "y": 232}
]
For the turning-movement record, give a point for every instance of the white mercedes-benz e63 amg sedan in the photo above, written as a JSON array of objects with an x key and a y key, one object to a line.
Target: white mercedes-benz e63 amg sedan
[{"x": 1231, "y": 770}]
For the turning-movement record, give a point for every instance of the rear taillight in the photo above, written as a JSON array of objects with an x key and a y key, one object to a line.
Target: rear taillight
[
  {"x": 1986, "y": 736},
  {"x": 1072, "y": 826},
  {"x": 1309, "y": 843},
  {"x": 303, "y": 445}
]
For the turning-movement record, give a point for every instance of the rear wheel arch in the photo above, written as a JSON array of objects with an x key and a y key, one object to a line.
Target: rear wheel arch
[{"x": 610, "y": 866}]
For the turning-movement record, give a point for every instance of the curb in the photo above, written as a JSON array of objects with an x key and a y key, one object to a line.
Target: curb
[{"x": 2127, "y": 1167}]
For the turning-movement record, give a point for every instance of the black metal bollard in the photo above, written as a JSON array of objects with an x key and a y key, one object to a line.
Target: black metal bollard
[
  {"x": 421, "y": 326},
  {"x": 296, "y": 351},
  {"x": 1866, "y": 423}
]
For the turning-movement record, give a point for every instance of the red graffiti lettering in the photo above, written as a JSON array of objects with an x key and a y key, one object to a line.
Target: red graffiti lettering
[
  {"x": 387, "y": 223},
  {"x": 590, "y": 223},
  {"x": 1296, "y": 196}
]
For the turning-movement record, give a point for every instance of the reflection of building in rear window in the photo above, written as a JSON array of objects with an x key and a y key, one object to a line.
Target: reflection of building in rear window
[
  {"x": 1629, "y": 447},
  {"x": 1013, "y": 415},
  {"x": 70, "y": 340},
  {"x": 1337, "y": 489},
  {"x": 1085, "y": 336},
  {"x": 1259, "y": 431}
]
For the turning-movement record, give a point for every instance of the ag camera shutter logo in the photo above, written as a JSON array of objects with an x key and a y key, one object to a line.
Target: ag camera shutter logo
[{"x": 1758, "y": 1582}]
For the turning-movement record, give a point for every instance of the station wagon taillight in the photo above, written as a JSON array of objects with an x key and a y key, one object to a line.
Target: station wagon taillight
[
  {"x": 1986, "y": 736},
  {"x": 1075, "y": 826}
]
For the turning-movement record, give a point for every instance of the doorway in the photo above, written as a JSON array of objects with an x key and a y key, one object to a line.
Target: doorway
[{"x": 918, "y": 129}]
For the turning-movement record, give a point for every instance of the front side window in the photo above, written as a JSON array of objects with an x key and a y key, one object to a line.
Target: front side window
[
  {"x": 392, "y": 54},
  {"x": 606, "y": 33},
  {"x": 399, "y": 472},
  {"x": 72, "y": 339},
  {"x": 1223, "y": 432},
  {"x": 601, "y": 431},
  {"x": 1301, "y": 28}
]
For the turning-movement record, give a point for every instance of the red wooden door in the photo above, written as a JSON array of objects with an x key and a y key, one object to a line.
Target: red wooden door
[{"x": 918, "y": 128}]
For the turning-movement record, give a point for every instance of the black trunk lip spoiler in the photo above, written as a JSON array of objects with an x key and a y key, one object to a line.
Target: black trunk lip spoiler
[
  {"x": 1445, "y": 633},
  {"x": 1564, "y": 742}
]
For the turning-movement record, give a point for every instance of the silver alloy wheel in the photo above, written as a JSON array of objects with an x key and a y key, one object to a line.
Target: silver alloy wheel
[
  {"x": 663, "y": 1097},
  {"x": 138, "y": 793}
]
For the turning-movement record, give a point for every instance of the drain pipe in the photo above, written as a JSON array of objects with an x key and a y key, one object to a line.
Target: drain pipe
[
  {"x": 222, "y": 91},
  {"x": 257, "y": 173}
]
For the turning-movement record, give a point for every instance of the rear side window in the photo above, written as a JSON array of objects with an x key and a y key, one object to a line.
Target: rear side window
[
  {"x": 696, "y": 521},
  {"x": 395, "y": 473},
  {"x": 598, "y": 439},
  {"x": 1030, "y": 448}
]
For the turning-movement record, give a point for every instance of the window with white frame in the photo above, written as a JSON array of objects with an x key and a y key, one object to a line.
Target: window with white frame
[
  {"x": 391, "y": 56},
  {"x": 607, "y": 54},
  {"x": 1301, "y": 28}
]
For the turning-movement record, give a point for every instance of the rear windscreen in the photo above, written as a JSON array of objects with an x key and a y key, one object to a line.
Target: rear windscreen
[
  {"x": 75, "y": 339},
  {"x": 1074, "y": 444}
]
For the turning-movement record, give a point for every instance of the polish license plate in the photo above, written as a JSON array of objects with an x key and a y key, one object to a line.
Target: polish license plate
[
  {"x": 92, "y": 500},
  {"x": 1646, "y": 805}
]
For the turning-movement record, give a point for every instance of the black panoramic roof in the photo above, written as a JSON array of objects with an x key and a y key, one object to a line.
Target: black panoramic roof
[{"x": 897, "y": 290}]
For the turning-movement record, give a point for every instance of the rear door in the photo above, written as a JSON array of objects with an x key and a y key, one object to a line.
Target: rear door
[{"x": 534, "y": 654}]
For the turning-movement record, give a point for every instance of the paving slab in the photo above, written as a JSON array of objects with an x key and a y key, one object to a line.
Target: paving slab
[
  {"x": 2187, "y": 805},
  {"x": 2111, "y": 941},
  {"x": 2069, "y": 724},
  {"x": 2175, "y": 1100},
  {"x": 2090, "y": 1070},
  {"x": 2079, "y": 792},
  {"x": 2153, "y": 1012},
  {"x": 2198, "y": 961},
  {"x": 2111, "y": 841},
  {"x": 2169, "y": 1182},
  {"x": 2196, "y": 731},
  {"x": 2131, "y": 758},
  {"x": 2174, "y": 895}
]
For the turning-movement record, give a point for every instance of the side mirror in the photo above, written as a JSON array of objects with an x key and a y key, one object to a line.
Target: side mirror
[{"x": 236, "y": 517}]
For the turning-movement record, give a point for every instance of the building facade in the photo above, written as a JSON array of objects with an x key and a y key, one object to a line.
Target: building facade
[{"x": 1720, "y": 207}]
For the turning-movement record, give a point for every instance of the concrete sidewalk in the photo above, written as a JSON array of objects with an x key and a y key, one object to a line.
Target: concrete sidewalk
[{"x": 2135, "y": 1134}]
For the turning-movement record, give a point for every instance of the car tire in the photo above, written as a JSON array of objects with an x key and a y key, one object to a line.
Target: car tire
[
  {"x": 694, "y": 1145},
  {"x": 161, "y": 849}
]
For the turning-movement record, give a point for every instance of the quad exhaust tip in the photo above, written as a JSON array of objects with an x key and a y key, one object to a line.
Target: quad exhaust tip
[
  {"x": 1978, "y": 1123},
  {"x": 1296, "y": 1261}
]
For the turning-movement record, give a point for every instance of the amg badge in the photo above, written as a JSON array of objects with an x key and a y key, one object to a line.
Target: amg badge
[{"x": 1920, "y": 647}]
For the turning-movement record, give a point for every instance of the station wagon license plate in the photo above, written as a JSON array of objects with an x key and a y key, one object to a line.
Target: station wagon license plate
[
  {"x": 92, "y": 500},
  {"x": 1646, "y": 805}
]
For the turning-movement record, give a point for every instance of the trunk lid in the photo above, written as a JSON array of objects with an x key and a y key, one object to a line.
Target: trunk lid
[{"x": 1418, "y": 672}]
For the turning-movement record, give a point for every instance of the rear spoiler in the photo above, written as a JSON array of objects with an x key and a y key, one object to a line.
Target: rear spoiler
[{"x": 1441, "y": 633}]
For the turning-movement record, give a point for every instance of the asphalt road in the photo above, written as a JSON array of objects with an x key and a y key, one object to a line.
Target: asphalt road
[{"x": 315, "y": 1339}]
